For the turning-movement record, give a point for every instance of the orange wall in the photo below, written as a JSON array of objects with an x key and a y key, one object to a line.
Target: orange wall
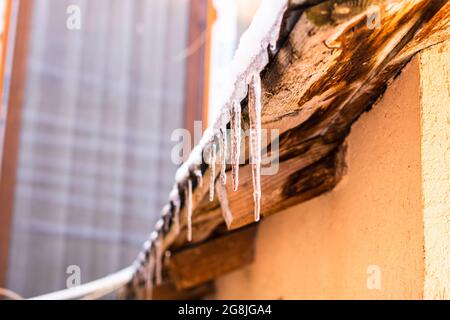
[
  {"x": 435, "y": 101},
  {"x": 323, "y": 248}
]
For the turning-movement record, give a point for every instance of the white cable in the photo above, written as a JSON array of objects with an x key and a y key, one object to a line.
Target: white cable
[{"x": 94, "y": 290}]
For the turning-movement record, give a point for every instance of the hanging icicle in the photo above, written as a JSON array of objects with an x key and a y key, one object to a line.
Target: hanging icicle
[
  {"x": 235, "y": 142},
  {"x": 189, "y": 210},
  {"x": 150, "y": 275},
  {"x": 175, "y": 207},
  {"x": 254, "y": 107},
  {"x": 222, "y": 195},
  {"x": 212, "y": 164},
  {"x": 224, "y": 150}
]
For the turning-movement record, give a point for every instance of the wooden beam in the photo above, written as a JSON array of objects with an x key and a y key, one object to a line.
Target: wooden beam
[
  {"x": 13, "y": 122},
  {"x": 207, "y": 261},
  {"x": 326, "y": 74},
  {"x": 313, "y": 94},
  {"x": 296, "y": 182}
]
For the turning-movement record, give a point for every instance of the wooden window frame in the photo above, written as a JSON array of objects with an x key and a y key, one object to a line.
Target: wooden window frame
[{"x": 12, "y": 131}]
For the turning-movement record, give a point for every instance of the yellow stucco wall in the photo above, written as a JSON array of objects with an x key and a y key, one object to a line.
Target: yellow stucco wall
[
  {"x": 369, "y": 231},
  {"x": 435, "y": 106}
]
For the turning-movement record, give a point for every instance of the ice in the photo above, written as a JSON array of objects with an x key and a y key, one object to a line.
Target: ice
[
  {"x": 251, "y": 57},
  {"x": 189, "y": 211},
  {"x": 198, "y": 174},
  {"x": 212, "y": 164},
  {"x": 235, "y": 142},
  {"x": 158, "y": 259},
  {"x": 223, "y": 200},
  {"x": 224, "y": 151},
  {"x": 254, "y": 106}
]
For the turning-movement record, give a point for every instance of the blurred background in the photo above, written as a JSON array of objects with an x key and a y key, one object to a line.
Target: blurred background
[{"x": 91, "y": 93}]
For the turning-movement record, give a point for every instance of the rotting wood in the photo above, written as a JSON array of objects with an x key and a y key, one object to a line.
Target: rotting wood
[
  {"x": 296, "y": 182},
  {"x": 299, "y": 179},
  {"x": 323, "y": 78}
]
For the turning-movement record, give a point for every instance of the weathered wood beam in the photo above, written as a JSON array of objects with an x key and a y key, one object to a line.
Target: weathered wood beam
[
  {"x": 327, "y": 73},
  {"x": 313, "y": 94},
  {"x": 316, "y": 173},
  {"x": 168, "y": 291},
  {"x": 207, "y": 261}
]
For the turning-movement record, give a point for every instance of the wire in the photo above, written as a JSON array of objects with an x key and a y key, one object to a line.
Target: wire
[
  {"x": 10, "y": 294},
  {"x": 92, "y": 290}
]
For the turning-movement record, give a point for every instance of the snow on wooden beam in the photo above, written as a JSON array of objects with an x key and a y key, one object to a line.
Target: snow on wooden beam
[
  {"x": 298, "y": 180},
  {"x": 313, "y": 94}
]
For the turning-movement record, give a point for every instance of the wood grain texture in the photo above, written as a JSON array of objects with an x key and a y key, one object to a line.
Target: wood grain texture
[
  {"x": 313, "y": 94},
  {"x": 206, "y": 261},
  {"x": 322, "y": 79},
  {"x": 168, "y": 291}
]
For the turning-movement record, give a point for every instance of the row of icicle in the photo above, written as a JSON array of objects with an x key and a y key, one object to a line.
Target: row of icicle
[
  {"x": 150, "y": 260},
  {"x": 254, "y": 105},
  {"x": 155, "y": 256}
]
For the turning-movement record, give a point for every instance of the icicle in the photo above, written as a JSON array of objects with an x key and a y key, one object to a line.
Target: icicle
[
  {"x": 189, "y": 210},
  {"x": 254, "y": 105},
  {"x": 158, "y": 259},
  {"x": 235, "y": 142},
  {"x": 223, "y": 200},
  {"x": 175, "y": 207},
  {"x": 212, "y": 163},
  {"x": 224, "y": 142},
  {"x": 198, "y": 174},
  {"x": 176, "y": 216},
  {"x": 150, "y": 275}
]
